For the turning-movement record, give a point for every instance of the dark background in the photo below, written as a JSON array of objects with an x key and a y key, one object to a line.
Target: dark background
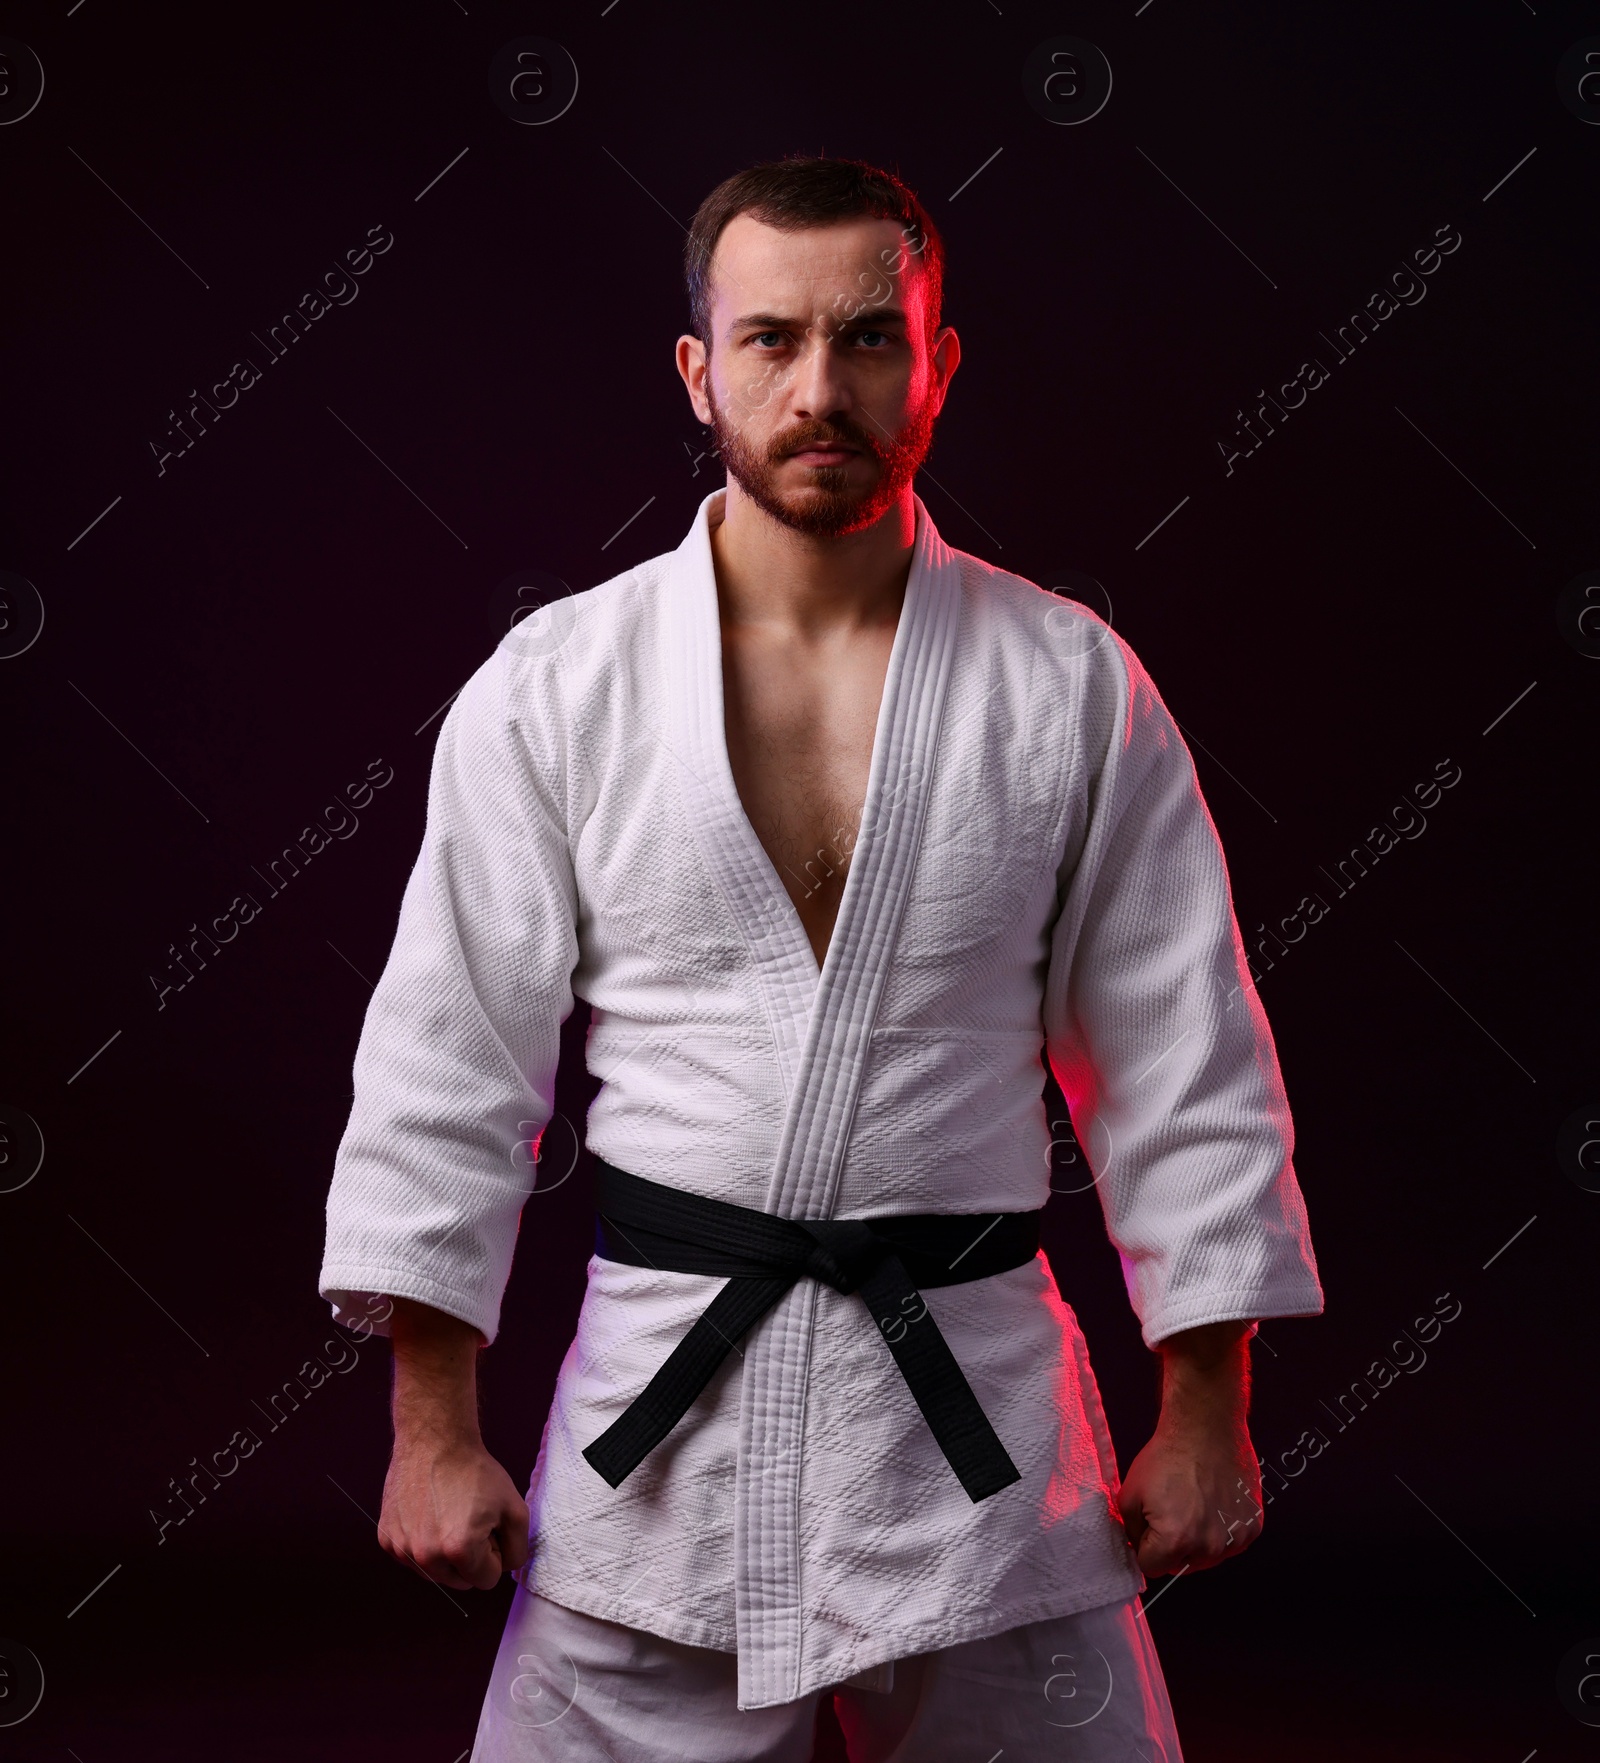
[{"x": 300, "y": 593}]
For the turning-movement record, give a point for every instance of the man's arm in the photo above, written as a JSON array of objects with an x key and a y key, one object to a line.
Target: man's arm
[
  {"x": 1192, "y": 1497},
  {"x": 449, "y": 1509},
  {"x": 1168, "y": 1066},
  {"x": 454, "y": 1076}
]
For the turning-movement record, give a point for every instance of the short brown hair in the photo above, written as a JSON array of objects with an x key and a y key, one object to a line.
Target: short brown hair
[{"x": 800, "y": 191}]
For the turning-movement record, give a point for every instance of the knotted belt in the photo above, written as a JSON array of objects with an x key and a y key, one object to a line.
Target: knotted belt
[{"x": 885, "y": 1260}]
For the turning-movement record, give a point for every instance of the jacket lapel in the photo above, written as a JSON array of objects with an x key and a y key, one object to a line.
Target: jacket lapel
[
  {"x": 816, "y": 1131},
  {"x": 785, "y": 970},
  {"x": 821, "y": 1024}
]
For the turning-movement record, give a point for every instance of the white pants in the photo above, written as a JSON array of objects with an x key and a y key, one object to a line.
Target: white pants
[{"x": 568, "y": 1687}]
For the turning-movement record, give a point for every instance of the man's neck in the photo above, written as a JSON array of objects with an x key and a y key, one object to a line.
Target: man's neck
[{"x": 815, "y": 588}]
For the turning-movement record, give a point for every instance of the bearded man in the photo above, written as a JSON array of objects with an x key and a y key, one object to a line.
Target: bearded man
[{"x": 841, "y": 834}]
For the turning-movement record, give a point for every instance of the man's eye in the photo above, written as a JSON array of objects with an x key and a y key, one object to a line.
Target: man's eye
[
  {"x": 760, "y": 334},
  {"x": 883, "y": 336}
]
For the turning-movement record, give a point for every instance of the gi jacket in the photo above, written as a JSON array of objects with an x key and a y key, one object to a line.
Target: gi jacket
[{"x": 1035, "y": 875}]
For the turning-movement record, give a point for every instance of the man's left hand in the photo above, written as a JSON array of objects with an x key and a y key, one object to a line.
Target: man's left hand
[{"x": 1192, "y": 1497}]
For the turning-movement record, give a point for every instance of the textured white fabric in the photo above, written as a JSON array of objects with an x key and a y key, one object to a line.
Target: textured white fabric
[
  {"x": 1035, "y": 870},
  {"x": 1085, "y": 1688}
]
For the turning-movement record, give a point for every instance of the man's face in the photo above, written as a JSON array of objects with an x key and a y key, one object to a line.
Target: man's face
[{"x": 822, "y": 384}]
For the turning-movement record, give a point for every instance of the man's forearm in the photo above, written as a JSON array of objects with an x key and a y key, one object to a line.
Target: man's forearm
[
  {"x": 435, "y": 1391},
  {"x": 1192, "y": 1495},
  {"x": 449, "y": 1509},
  {"x": 1205, "y": 1376}
]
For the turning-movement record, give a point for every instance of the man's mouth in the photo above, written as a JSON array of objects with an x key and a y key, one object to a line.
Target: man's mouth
[{"x": 824, "y": 453}]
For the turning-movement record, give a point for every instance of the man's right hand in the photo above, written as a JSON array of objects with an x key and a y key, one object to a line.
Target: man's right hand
[
  {"x": 449, "y": 1509},
  {"x": 453, "y": 1513}
]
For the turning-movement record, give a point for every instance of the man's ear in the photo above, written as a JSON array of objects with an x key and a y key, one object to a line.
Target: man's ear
[
  {"x": 691, "y": 357},
  {"x": 946, "y": 353}
]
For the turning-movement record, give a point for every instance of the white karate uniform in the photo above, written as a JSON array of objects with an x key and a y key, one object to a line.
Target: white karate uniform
[
  {"x": 1085, "y": 1688},
  {"x": 1035, "y": 874}
]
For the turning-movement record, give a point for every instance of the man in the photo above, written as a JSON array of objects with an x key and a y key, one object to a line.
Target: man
[{"x": 837, "y": 830}]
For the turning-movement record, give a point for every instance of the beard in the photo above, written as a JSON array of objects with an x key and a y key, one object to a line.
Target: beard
[{"x": 826, "y": 505}]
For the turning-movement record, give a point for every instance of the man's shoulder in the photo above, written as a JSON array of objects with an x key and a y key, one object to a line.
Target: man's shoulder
[
  {"x": 573, "y": 647},
  {"x": 557, "y": 668},
  {"x": 580, "y": 628},
  {"x": 1069, "y": 637}
]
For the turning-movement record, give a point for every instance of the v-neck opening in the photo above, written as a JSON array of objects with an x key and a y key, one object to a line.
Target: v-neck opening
[
  {"x": 810, "y": 1004},
  {"x": 879, "y": 736}
]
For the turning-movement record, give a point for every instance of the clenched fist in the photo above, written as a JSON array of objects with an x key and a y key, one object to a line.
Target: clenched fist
[
  {"x": 449, "y": 1509},
  {"x": 1192, "y": 1497},
  {"x": 453, "y": 1513}
]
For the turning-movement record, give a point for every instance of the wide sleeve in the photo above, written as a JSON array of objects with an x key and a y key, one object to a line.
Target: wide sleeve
[
  {"x": 455, "y": 1069},
  {"x": 1158, "y": 1039}
]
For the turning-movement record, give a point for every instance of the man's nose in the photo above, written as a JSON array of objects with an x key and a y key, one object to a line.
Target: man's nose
[{"x": 819, "y": 390}]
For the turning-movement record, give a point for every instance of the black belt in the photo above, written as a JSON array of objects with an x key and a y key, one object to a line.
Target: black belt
[{"x": 885, "y": 1260}]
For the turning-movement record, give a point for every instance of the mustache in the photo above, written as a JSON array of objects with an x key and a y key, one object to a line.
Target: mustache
[{"x": 819, "y": 435}]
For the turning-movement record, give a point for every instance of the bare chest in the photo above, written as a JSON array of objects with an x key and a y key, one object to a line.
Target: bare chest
[{"x": 800, "y": 729}]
